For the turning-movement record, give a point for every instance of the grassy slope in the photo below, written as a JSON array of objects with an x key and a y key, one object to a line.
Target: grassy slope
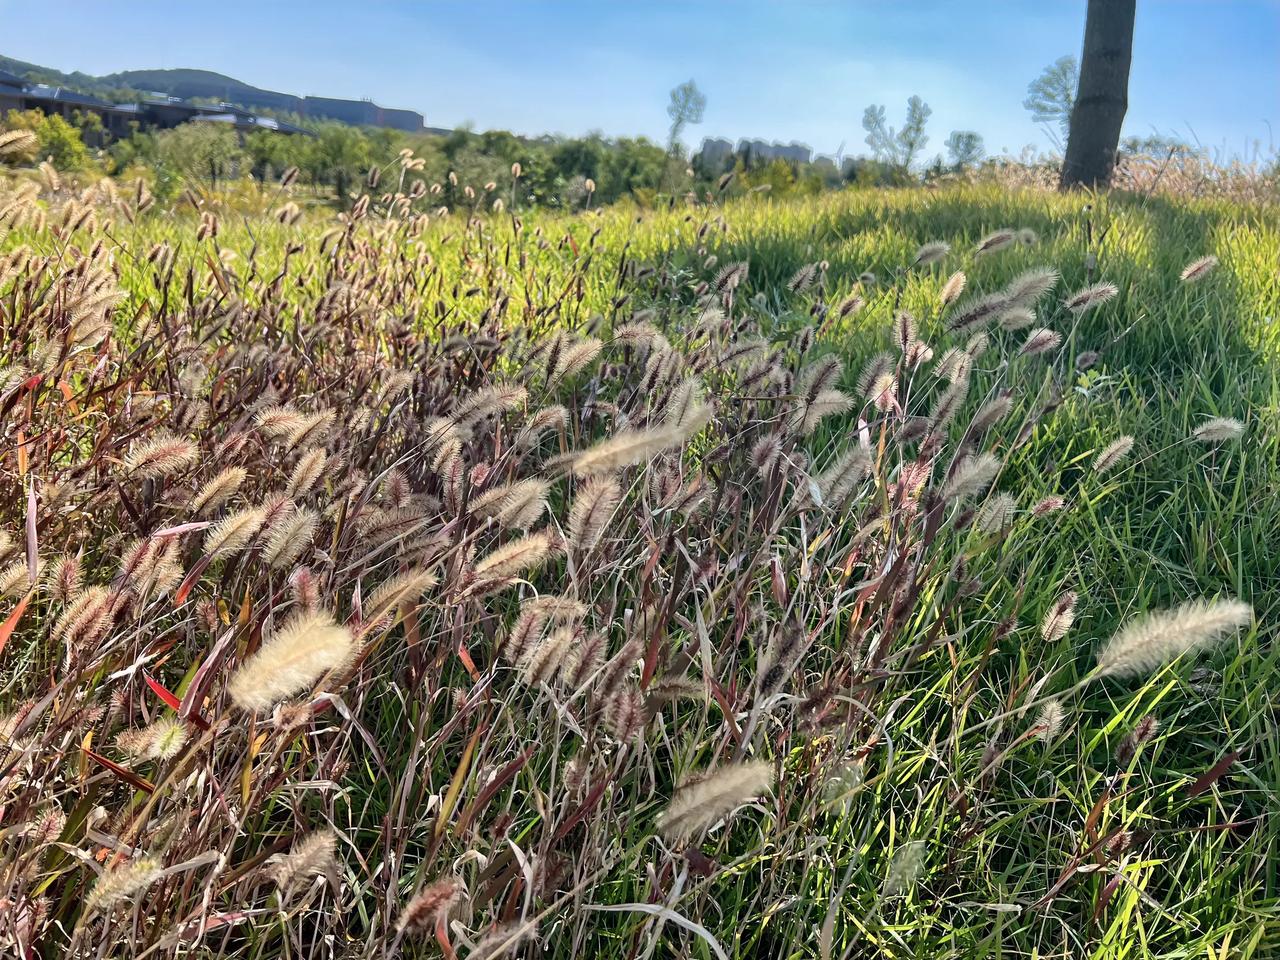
[{"x": 1178, "y": 521}]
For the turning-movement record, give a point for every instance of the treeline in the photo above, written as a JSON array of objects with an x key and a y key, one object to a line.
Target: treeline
[{"x": 336, "y": 159}]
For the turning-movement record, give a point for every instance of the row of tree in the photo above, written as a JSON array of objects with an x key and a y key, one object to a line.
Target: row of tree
[{"x": 1085, "y": 105}]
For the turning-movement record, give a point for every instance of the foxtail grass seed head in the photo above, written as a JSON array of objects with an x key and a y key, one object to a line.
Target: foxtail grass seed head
[
  {"x": 514, "y": 558},
  {"x": 1040, "y": 341},
  {"x": 519, "y": 504},
  {"x": 218, "y": 490},
  {"x": 702, "y": 802},
  {"x": 1219, "y": 430},
  {"x": 873, "y": 376},
  {"x": 1048, "y": 505},
  {"x": 291, "y": 661},
  {"x": 1017, "y": 318},
  {"x": 904, "y": 868},
  {"x": 805, "y": 419},
  {"x": 1059, "y": 618},
  {"x": 314, "y": 855},
  {"x": 995, "y": 242},
  {"x": 837, "y": 482},
  {"x": 404, "y": 589},
  {"x": 850, "y": 305},
  {"x": 998, "y": 513},
  {"x": 972, "y": 477},
  {"x": 1087, "y": 299},
  {"x": 991, "y": 413},
  {"x": 977, "y": 311},
  {"x": 234, "y": 533},
  {"x": 162, "y": 456},
  {"x": 13, "y": 142},
  {"x": 1197, "y": 270},
  {"x": 1027, "y": 288},
  {"x": 160, "y": 740},
  {"x": 431, "y": 904},
  {"x": 631, "y": 447},
  {"x": 954, "y": 286},
  {"x": 1143, "y": 731},
  {"x": 121, "y": 883},
  {"x": 592, "y": 512},
  {"x": 1049, "y": 723},
  {"x": 289, "y": 537},
  {"x": 1112, "y": 455},
  {"x": 1153, "y": 639},
  {"x": 932, "y": 252}
]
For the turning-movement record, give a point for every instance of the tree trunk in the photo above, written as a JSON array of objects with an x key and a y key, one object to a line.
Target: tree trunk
[{"x": 1103, "y": 96}]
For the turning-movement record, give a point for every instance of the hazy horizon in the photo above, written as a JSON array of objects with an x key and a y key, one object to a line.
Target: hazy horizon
[{"x": 1203, "y": 71}]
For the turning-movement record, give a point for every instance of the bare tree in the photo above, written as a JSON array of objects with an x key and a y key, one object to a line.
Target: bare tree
[{"x": 1103, "y": 96}]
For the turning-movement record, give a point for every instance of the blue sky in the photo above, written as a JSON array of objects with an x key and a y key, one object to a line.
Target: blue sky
[{"x": 802, "y": 69}]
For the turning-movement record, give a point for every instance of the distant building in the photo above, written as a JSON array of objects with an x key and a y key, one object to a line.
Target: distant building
[
  {"x": 163, "y": 112},
  {"x": 715, "y": 153},
  {"x": 121, "y": 119},
  {"x": 18, "y": 94},
  {"x": 361, "y": 113},
  {"x": 760, "y": 151}
]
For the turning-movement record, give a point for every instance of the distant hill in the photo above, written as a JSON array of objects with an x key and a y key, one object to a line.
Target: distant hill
[
  {"x": 190, "y": 84},
  {"x": 198, "y": 84},
  {"x": 83, "y": 82}
]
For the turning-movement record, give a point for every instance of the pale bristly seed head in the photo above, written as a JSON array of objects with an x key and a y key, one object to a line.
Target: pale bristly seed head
[
  {"x": 1219, "y": 430},
  {"x": 1095, "y": 296},
  {"x": 1199, "y": 269},
  {"x": 1156, "y": 638},
  {"x": 954, "y": 286},
  {"x": 702, "y": 802},
  {"x": 1049, "y": 724},
  {"x": 232, "y": 534},
  {"x": 972, "y": 477},
  {"x": 291, "y": 661},
  {"x": 311, "y": 856},
  {"x": 593, "y": 509},
  {"x": 931, "y": 252},
  {"x": 1059, "y": 617},
  {"x": 1112, "y": 455},
  {"x": 122, "y": 882}
]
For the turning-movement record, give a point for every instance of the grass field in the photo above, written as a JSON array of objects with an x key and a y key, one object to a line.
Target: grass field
[{"x": 806, "y": 678}]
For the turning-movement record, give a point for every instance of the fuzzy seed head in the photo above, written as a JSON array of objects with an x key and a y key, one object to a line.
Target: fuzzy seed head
[
  {"x": 162, "y": 456},
  {"x": 1156, "y": 638},
  {"x": 311, "y": 856},
  {"x": 932, "y": 252},
  {"x": 1219, "y": 430},
  {"x": 1059, "y": 617},
  {"x": 1197, "y": 270},
  {"x": 1112, "y": 455},
  {"x": 291, "y": 661},
  {"x": 1087, "y": 299},
  {"x": 700, "y": 803},
  {"x": 122, "y": 882}
]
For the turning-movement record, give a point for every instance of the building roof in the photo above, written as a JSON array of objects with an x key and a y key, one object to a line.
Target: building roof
[
  {"x": 246, "y": 121},
  {"x": 62, "y": 95}
]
